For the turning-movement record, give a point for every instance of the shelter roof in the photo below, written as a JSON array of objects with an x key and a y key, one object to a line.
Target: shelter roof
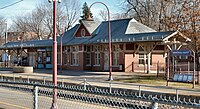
[{"x": 32, "y": 43}]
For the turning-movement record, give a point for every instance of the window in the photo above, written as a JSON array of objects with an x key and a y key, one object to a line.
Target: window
[
  {"x": 75, "y": 55},
  {"x": 87, "y": 48},
  {"x": 88, "y": 60},
  {"x": 129, "y": 46},
  {"x": 83, "y": 32},
  {"x": 115, "y": 58},
  {"x": 75, "y": 59},
  {"x": 97, "y": 58},
  {"x": 40, "y": 56},
  {"x": 97, "y": 50},
  {"x": 88, "y": 55},
  {"x": 66, "y": 59},
  {"x": 142, "y": 59},
  {"x": 48, "y": 58},
  {"x": 115, "y": 49}
]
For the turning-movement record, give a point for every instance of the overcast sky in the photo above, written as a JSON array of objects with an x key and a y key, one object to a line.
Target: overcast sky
[{"x": 27, "y": 6}]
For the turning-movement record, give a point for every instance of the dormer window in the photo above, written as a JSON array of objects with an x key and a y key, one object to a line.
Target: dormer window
[{"x": 83, "y": 32}]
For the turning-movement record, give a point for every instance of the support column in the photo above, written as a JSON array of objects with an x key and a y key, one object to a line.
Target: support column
[
  {"x": 198, "y": 77},
  {"x": 148, "y": 62},
  {"x": 145, "y": 54},
  {"x": 9, "y": 56}
]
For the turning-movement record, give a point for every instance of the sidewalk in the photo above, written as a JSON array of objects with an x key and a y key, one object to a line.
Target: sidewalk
[{"x": 95, "y": 79}]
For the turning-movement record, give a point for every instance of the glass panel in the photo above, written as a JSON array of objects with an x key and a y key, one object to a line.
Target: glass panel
[
  {"x": 97, "y": 58},
  {"x": 88, "y": 62},
  {"x": 48, "y": 58},
  {"x": 141, "y": 61}
]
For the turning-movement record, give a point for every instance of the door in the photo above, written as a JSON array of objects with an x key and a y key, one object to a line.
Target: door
[
  {"x": 32, "y": 59},
  {"x": 106, "y": 61},
  {"x": 41, "y": 59}
]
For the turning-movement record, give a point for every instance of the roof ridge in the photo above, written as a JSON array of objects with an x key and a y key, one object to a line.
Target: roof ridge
[{"x": 117, "y": 20}]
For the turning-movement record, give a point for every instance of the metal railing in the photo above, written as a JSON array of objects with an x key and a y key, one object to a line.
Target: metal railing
[
  {"x": 97, "y": 83},
  {"x": 89, "y": 96}
]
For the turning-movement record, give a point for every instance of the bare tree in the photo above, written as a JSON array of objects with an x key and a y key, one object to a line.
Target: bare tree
[
  {"x": 103, "y": 14},
  {"x": 186, "y": 17},
  {"x": 120, "y": 16},
  {"x": 73, "y": 9},
  {"x": 21, "y": 23},
  {"x": 68, "y": 13},
  {"x": 47, "y": 10},
  {"x": 148, "y": 12},
  {"x": 40, "y": 19},
  {"x": 3, "y": 25},
  {"x": 2, "y": 20},
  {"x": 35, "y": 22}
]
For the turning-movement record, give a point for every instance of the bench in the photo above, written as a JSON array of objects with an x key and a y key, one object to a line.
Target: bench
[{"x": 22, "y": 69}]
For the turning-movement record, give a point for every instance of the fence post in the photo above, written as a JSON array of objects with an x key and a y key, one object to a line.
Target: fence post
[
  {"x": 62, "y": 82},
  {"x": 44, "y": 80},
  {"x": 110, "y": 86},
  {"x": 158, "y": 68},
  {"x": 13, "y": 77},
  {"x": 28, "y": 79},
  {"x": 85, "y": 84},
  {"x": 35, "y": 97},
  {"x": 177, "y": 95},
  {"x": 139, "y": 91}
]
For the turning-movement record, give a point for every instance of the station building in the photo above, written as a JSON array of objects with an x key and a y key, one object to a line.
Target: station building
[{"x": 135, "y": 48}]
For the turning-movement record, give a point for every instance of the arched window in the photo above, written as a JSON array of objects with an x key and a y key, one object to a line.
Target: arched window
[{"x": 83, "y": 32}]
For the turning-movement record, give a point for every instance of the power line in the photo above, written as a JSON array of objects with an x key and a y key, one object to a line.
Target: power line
[{"x": 11, "y": 4}]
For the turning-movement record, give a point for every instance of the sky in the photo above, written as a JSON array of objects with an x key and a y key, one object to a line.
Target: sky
[{"x": 26, "y": 6}]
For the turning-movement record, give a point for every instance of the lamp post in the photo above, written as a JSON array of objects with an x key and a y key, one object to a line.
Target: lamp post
[
  {"x": 21, "y": 50},
  {"x": 6, "y": 35},
  {"x": 54, "y": 103},
  {"x": 109, "y": 37},
  {"x": 61, "y": 35}
]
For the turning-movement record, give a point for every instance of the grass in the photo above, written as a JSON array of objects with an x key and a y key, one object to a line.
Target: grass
[{"x": 152, "y": 79}]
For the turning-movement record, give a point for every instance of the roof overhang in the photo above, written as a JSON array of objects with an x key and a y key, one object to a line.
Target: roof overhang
[{"x": 167, "y": 39}]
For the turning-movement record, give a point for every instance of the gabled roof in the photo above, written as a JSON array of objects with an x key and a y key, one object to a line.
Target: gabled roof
[
  {"x": 177, "y": 33},
  {"x": 135, "y": 27},
  {"x": 118, "y": 29},
  {"x": 90, "y": 25},
  {"x": 70, "y": 39},
  {"x": 122, "y": 30}
]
